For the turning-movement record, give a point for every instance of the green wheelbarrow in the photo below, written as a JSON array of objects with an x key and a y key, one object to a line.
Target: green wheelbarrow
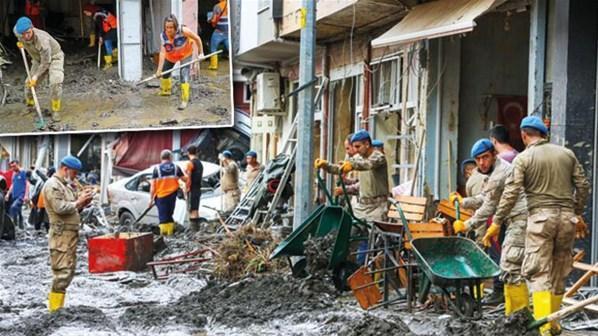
[
  {"x": 454, "y": 264},
  {"x": 324, "y": 219}
]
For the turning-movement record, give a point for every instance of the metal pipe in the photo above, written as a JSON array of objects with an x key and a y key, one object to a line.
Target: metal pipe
[
  {"x": 437, "y": 145},
  {"x": 594, "y": 233}
]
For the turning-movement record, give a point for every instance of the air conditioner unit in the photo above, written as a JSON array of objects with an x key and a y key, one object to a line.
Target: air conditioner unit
[{"x": 268, "y": 93}]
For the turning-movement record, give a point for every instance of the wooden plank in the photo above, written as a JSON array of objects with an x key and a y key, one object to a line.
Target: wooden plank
[
  {"x": 411, "y": 200},
  {"x": 425, "y": 227},
  {"x": 586, "y": 267},
  {"x": 409, "y": 216},
  {"x": 591, "y": 307},
  {"x": 579, "y": 283},
  {"x": 413, "y": 208},
  {"x": 447, "y": 209},
  {"x": 389, "y": 227}
]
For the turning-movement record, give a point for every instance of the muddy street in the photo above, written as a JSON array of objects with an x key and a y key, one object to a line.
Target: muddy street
[
  {"x": 95, "y": 100},
  {"x": 127, "y": 303}
]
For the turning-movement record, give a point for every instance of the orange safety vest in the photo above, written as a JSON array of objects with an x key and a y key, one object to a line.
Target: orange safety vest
[
  {"x": 109, "y": 22},
  {"x": 167, "y": 180},
  {"x": 180, "y": 47},
  {"x": 32, "y": 9}
]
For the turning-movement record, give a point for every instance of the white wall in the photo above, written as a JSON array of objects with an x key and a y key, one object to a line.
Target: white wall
[{"x": 249, "y": 27}]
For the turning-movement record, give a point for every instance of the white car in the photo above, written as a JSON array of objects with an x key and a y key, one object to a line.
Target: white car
[{"x": 129, "y": 197}]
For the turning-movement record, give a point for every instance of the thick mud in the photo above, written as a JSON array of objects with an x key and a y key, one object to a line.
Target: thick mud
[
  {"x": 127, "y": 303},
  {"x": 95, "y": 99}
]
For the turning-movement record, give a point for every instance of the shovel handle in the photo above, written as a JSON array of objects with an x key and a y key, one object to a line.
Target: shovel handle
[
  {"x": 37, "y": 108},
  {"x": 563, "y": 312}
]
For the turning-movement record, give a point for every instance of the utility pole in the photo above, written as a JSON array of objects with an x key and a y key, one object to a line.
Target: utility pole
[{"x": 304, "y": 157}]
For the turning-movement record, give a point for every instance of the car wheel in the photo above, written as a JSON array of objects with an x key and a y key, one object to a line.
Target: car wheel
[{"x": 126, "y": 219}]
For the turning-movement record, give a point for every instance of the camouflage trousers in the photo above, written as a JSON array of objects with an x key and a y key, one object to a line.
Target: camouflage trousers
[
  {"x": 549, "y": 240},
  {"x": 55, "y": 74},
  {"x": 231, "y": 199},
  {"x": 63, "y": 257},
  {"x": 513, "y": 250}
]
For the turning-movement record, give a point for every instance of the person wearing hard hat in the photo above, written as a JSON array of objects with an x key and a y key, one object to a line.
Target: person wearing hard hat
[
  {"x": 230, "y": 181},
  {"x": 511, "y": 257},
  {"x": 63, "y": 204},
  {"x": 556, "y": 189},
  {"x": 47, "y": 60},
  {"x": 164, "y": 189}
]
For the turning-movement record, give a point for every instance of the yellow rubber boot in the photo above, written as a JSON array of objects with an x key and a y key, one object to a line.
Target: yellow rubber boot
[
  {"x": 29, "y": 102},
  {"x": 115, "y": 54},
  {"x": 185, "y": 88},
  {"x": 55, "y": 109},
  {"x": 542, "y": 308},
  {"x": 556, "y": 301},
  {"x": 92, "y": 40},
  {"x": 165, "y": 86},
  {"x": 516, "y": 298},
  {"x": 107, "y": 62},
  {"x": 55, "y": 301},
  {"x": 166, "y": 229},
  {"x": 213, "y": 63}
]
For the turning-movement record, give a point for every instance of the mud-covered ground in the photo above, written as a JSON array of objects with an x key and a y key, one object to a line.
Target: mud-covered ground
[
  {"x": 127, "y": 303},
  {"x": 95, "y": 100}
]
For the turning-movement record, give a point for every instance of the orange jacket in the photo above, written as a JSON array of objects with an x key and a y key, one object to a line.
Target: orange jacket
[{"x": 177, "y": 48}]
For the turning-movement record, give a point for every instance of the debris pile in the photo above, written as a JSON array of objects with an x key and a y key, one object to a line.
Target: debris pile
[
  {"x": 246, "y": 251},
  {"x": 317, "y": 254}
]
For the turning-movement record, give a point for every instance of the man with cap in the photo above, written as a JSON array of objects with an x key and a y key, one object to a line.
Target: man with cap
[
  {"x": 47, "y": 60},
  {"x": 378, "y": 145},
  {"x": 556, "y": 189},
  {"x": 230, "y": 181},
  {"x": 511, "y": 257},
  {"x": 253, "y": 168},
  {"x": 499, "y": 135},
  {"x": 373, "y": 178},
  {"x": 194, "y": 172},
  {"x": 63, "y": 204},
  {"x": 164, "y": 189}
]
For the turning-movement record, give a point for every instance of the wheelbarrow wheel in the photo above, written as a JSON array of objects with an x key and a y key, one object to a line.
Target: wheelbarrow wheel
[
  {"x": 341, "y": 274},
  {"x": 468, "y": 305}
]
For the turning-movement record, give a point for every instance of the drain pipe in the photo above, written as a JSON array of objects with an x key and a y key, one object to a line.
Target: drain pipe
[{"x": 437, "y": 144}]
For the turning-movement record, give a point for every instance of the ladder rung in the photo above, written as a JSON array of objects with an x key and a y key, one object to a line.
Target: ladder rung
[
  {"x": 403, "y": 165},
  {"x": 292, "y": 140},
  {"x": 238, "y": 217}
]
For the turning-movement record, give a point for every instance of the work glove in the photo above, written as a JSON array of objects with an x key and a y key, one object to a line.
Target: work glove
[
  {"x": 31, "y": 83},
  {"x": 491, "y": 233},
  {"x": 455, "y": 196},
  {"x": 320, "y": 163},
  {"x": 346, "y": 167},
  {"x": 338, "y": 191},
  {"x": 459, "y": 226},
  {"x": 100, "y": 41},
  {"x": 581, "y": 228},
  {"x": 20, "y": 44}
]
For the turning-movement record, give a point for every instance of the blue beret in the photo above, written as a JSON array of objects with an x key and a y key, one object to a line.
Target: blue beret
[
  {"x": 361, "y": 135},
  {"x": 481, "y": 146},
  {"x": 251, "y": 153},
  {"x": 535, "y": 123},
  {"x": 227, "y": 154},
  {"x": 378, "y": 143},
  {"x": 23, "y": 24},
  {"x": 71, "y": 162}
]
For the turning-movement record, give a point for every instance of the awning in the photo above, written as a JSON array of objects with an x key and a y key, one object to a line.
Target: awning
[{"x": 435, "y": 19}]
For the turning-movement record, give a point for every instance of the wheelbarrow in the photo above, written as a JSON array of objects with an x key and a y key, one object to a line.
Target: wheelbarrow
[
  {"x": 324, "y": 219},
  {"x": 456, "y": 264}
]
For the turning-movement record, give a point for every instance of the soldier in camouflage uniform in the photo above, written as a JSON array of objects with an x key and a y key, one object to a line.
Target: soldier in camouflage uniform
[
  {"x": 47, "y": 60},
  {"x": 63, "y": 206},
  {"x": 371, "y": 166},
  {"x": 230, "y": 182},
  {"x": 556, "y": 189},
  {"x": 515, "y": 289}
]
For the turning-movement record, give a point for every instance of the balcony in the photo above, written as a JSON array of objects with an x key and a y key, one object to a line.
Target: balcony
[{"x": 336, "y": 17}]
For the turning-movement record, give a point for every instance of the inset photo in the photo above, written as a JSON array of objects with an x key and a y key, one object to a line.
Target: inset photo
[{"x": 113, "y": 65}]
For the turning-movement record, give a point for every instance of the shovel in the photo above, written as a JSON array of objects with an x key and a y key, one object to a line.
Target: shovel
[
  {"x": 99, "y": 54},
  {"x": 41, "y": 124},
  {"x": 142, "y": 215},
  {"x": 561, "y": 313},
  {"x": 180, "y": 66}
]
